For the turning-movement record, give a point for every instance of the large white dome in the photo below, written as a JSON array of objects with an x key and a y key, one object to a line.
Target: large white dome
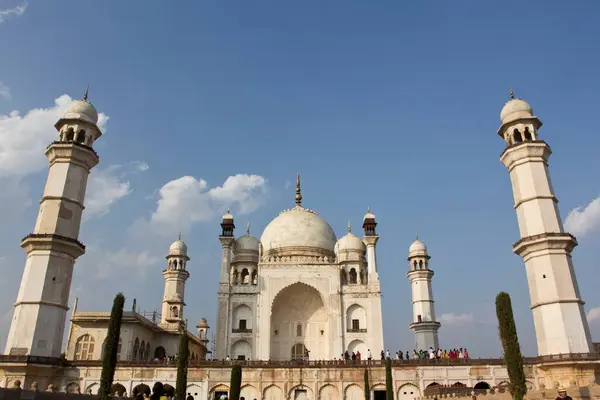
[{"x": 298, "y": 231}]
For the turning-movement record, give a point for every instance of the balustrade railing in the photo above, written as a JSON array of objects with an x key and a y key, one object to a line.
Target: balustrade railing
[{"x": 304, "y": 363}]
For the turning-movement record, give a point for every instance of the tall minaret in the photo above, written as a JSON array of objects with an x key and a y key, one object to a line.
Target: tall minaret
[
  {"x": 39, "y": 317},
  {"x": 424, "y": 324},
  {"x": 175, "y": 276},
  {"x": 227, "y": 239},
  {"x": 560, "y": 322},
  {"x": 370, "y": 240}
]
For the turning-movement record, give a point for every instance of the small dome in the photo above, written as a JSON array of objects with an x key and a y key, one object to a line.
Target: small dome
[
  {"x": 247, "y": 242},
  {"x": 203, "y": 323},
  {"x": 178, "y": 248},
  {"x": 350, "y": 242},
  {"x": 228, "y": 216},
  {"x": 298, "y": 229},
  {"x": 515, "y": 109},
  {"x": 369, "y": 215},
  {"x": 82, "y": 109},
  {"x": 417, "y": 248}
]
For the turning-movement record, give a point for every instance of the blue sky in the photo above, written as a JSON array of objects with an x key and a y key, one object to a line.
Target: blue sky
[{"x": 387, "y": 104}]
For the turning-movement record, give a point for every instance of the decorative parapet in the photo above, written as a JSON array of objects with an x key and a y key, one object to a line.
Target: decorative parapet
[{"x": 300, "y": 259}]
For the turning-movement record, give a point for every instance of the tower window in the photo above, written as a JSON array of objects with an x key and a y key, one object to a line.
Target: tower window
[
  {"x": 527, "y": 134},
  {"x": 355, "y": 324},
  {"x": 415, "y": 263},
  {"x": 299, "y": 330},
  {"x": 352, "y": 276},
  {"x": 174, "y": 312},
  {"x": 517, "y": 136},
  {"x": 420, "y": 264},
  {"x": 242, "y": 324},
  {"x": 419, "y": 319},
  {"x": 544, "y": 276},
  {"x": 81, "y": 136}
]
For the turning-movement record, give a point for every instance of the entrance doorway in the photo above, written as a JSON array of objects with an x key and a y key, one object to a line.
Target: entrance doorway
[
  {"x": 218, "y": 395},
  {"x": 379, "y": 395}
]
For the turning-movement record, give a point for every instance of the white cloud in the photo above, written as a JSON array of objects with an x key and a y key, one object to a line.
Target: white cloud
[
  {"x": 103, "y": 264},
  {"x": 5, "y": 91},
  {"x": 593, "y": 314},
  {"x": 580, "y": 221},
  {"x": 12, "y": 12},
  {"x": 187, "y": 200},
  {"x": 456, "y": 319},
  {"x": 107, "y": 186},
  {"x": 23, "y": 139}
]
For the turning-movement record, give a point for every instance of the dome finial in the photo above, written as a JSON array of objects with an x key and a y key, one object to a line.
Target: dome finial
[
  {"x": 512, "y": 93},
  {"x": 349, "y": 227},
  {"x": 85, "y": 95},
  {"x": 179, "y": 237},
  {"x": 228, "y": 210},
  {"x": 417, "y": 236},
  {"x": 298, "y": 191},
  {"x": 248, "y": 228},
  {"x": 369, "y": 209}
]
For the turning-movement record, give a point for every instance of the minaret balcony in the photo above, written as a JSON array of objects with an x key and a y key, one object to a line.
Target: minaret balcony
[
  {"x": 71, "y": 152},
  {"x": 361, "y": 330},
  {"x": 239, "y": 330},
  {"x": 545, "y": 241},
  {"x": 53, "y": 242}
]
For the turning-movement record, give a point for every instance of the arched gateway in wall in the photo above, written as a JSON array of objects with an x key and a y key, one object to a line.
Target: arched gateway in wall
[{"x": 299, "y": 321}]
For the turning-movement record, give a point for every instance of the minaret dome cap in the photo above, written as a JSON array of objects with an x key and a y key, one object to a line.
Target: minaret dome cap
[
  {"x": 178, "y": 248},
  {"x": 369, "y": 215},
  {"x": 417, "y": 248},
  {"x": 515, "y": 109},
  {"x": 82, "y": 109},
  {"x": 228, "y": 216}
]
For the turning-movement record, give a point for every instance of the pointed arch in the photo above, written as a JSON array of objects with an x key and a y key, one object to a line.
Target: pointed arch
[{"x": 84, "y": 347}]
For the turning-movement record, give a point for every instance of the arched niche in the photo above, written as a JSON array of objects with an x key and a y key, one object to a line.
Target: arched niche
[
  {"x": 242, "y": 317},
  {"x": 241, "y": 350},
  {"x": 356, "y": 318}
]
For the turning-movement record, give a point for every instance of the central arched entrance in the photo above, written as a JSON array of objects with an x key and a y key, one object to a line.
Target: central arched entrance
[{"x": 299, "y": 324}]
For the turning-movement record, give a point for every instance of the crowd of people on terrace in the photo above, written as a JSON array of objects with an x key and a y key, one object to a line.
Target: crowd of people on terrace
[
  {"x": 430, "y": 354},
  {"x": 347, "y": 356}
]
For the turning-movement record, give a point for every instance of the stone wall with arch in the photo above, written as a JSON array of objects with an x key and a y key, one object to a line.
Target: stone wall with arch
[
  {"x": 273, "y": 392},
  {"x": 249, "y": 392},
  {"x": 356, "y": 312},
  {"x": 354, "y": 392},
  {"x": 329, "y": 392},
  {"x": 242, "y": 312},
  {"x": 241, "y": 348},
  {"x": 408, "y": 391},
  {"x": 309, "y": 392},
  {"x": 358, "y": 345}
]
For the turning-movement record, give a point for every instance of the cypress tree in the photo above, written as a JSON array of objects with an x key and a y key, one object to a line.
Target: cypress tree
[
  {"x": 182, "y": 366},
  {"x": 367, "y": 386},
  {"x": 511, "y": 347},
  {"x": 236, "y": 382},
  {"x": 109, "y": 361},
  {"x": 389, "y": 384}
]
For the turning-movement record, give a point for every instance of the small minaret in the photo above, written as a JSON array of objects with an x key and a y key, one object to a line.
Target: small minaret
[
  {"x": 175, "y": 276},
  {"x": 560, "y": 323},
  {"x": 424, "y": 324},
  {"x": 227, "y": 239},
  {"x": 203, "y": 330},
  {"x": 370, "y": 240},
  {"x": 39, "y": 317}
]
